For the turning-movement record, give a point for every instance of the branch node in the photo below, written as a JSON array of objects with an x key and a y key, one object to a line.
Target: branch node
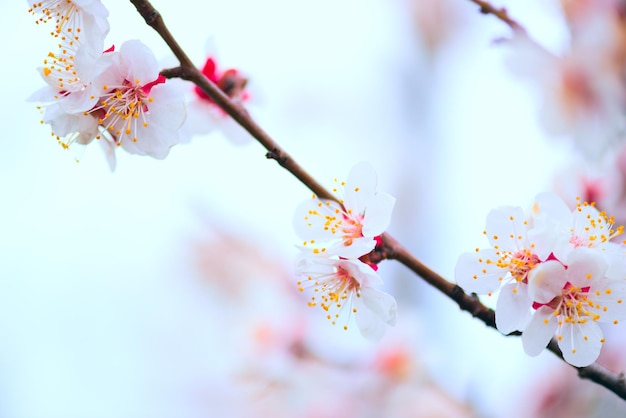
[
  {"x": 276, "y": 154},
  {"x": 176, "y": 72},
  {"x": 149, "y": 13}
]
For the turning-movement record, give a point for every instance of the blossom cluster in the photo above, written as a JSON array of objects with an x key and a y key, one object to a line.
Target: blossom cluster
[
  {"x": 338, "y": 237},
  {"x": 558, "y": 271},
  {"x": 116, "y": 97}
]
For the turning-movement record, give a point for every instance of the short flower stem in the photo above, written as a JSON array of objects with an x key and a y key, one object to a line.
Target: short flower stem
[{"x": 391, "y": 249}]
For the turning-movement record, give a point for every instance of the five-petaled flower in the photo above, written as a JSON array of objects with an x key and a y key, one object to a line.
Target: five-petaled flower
[
  {"x": 570, "y": 300},
  {"x": 345, "y": 288},
  {"x": 505, "y": 266},
  {"x": 350, "y": 226},
  {"x": 136, "y": 109},
  {"x": 204, "y": 115}
]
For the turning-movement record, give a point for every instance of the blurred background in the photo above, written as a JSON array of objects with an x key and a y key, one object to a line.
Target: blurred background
[{"x": 166, "y": 288}]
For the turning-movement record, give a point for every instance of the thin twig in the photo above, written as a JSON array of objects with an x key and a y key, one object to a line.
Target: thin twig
[
  {"x": 390, "y": 249},
  {"x": 187, "y": 71},
  {"x": 501, "y": 13}
]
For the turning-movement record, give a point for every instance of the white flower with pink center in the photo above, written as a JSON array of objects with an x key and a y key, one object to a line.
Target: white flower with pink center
[
  {"x": 351, "y": 227},
  {"x": 503, "y": 267},
  {"x": 345, "y": 289},
  {"x": 133, "y": 108},
  {"x": 136, "y": 109},
  {"x": 569, "y": 301},
  {"x": 74, "y": 20},
  {"x": 584, "y": 226},
  {"x": 70, "y": 74}
]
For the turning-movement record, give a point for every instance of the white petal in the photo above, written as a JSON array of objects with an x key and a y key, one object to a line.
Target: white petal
[
  {"x": 310, "y": 219},
  {"x": 357, "y": 248},
  {"x": 610, "y": 295},
  {"x": 86, "y": 62},
  {"x": 477, "y": 272},
  {"x": 79, "y": 102},
  {"x": 152, "y": 140},
  {"x": 378, "y": 214},
  {"x": 580, "y": 343},
  {"x": 138, "y": 63},
  {"x": 363, "y": 273},
  {"x": 94, "y": 30},
  {"x": 513, "y": 308},
  {"x": 109, "y": 153},
  {"x": 200, "y": 119},
  {"x": 234, "y": 132},
  {"x": 539, "y": 331},
  {"x": 551, "y": 226},
  {"x": 168, "y": 106},
  {"x": 506, "y": 228},
  {"x": 585, "y": 265},
  {"x": 375, "y": 310},
  {"x": 45, "y": 94},
  {"x": 360, "y": 187},
  {"x": 307, "y": 265},
  {"x": 616, "y": 257},
  {"x": 549, "y": 207},
  {"x": 92, "y": 7},
  {"x": 546, "y": 281}
]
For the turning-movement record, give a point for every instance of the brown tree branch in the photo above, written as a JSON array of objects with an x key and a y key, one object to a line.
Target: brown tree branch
[
  {"x": 501, "y": 13},
  {"x": 390, "y": 249}
]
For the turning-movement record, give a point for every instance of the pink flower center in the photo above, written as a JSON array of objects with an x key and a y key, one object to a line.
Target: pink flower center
[
  {"x": 332, "y": 292},
  {"x": 230, "y": 82},
  {"x": 519, "y": 264},
  {"x": 123, "y": 107},
  {"x": 352, "y": 228},
  {"x": 571, "y": 297}
]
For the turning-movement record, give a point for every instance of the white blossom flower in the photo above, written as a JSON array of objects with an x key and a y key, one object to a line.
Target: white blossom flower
[
  {"x": 570, "y": 301},
  {"x": 348, "y": 228},
  {"x": 346, "y": 289},
  {"x": 204, "y": 115},
  {"x": 134, "y": 108},
  {"x": 74, "y": 20},
  {"x": 503, "y": 267},
  {"x": 70, "y": 74},
  {"x": 584, "y": 226}
]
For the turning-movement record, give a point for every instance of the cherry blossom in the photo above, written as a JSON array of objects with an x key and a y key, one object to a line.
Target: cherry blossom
[
  {"x": 505, "y": 266},
  {"x": 570, "y": 300},
  {"x": 584, "y": 226},
  {"x": 137, "y": 110},
  {"x": 127, "y": 105},
  {"x": 348, "y": 228},
  {"x": 70, "y": 74},
  {"x": 204, "y": 115},
  {"x": 346, "y": 288},
  {"x": 74, "y": 20}
]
